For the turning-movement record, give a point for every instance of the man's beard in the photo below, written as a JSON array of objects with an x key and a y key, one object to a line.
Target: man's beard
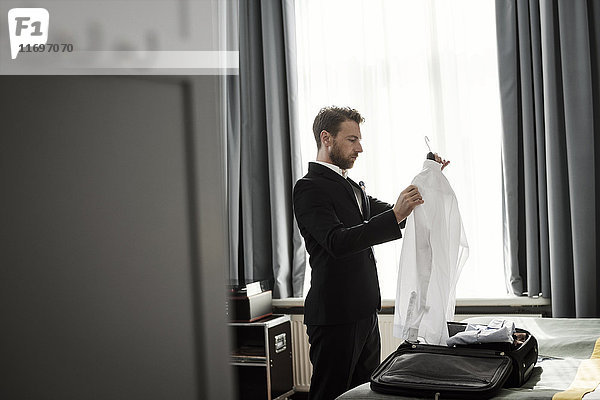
[{"x": 338, "y": 159}]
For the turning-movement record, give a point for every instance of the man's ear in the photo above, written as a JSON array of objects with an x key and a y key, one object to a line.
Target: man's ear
[{"x": 326, "y": 138}]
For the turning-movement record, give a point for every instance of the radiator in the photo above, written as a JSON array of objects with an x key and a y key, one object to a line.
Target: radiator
[{"x": 301, "y": 360}]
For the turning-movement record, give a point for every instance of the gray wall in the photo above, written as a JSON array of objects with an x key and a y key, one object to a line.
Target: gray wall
[{"x": 112, "y": 239}]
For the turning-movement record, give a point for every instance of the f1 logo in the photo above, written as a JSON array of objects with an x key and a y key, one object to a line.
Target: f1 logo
[{"x": 27, "y": 26}]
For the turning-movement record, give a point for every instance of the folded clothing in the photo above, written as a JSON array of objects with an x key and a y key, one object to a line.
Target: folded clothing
[{"x": 498, "y": 330}]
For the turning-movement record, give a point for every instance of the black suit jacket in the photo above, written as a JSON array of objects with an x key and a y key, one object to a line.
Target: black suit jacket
[{"x": 344, "y": 283}]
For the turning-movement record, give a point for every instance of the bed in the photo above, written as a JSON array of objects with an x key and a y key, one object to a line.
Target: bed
[{"x": 563, "y": 344}]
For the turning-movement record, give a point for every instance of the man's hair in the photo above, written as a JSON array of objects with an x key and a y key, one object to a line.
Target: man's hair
[{"x": 330, "y": 118}]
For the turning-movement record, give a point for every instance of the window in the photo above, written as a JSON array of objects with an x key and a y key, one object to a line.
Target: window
[{"x": 413, "y": 69}]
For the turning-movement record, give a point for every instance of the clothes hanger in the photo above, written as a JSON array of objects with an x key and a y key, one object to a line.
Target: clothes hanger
[{"x": 430, "y": 155}]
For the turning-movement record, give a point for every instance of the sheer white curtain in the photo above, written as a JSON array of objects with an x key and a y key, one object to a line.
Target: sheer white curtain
[{"x": 413, "y": 68}]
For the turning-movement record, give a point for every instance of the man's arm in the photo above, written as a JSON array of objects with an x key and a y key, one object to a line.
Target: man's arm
[
  {"x": 408, "y": 199},
  {"x": 316, "y": 214},
  {"x": 377, "y": 207}
]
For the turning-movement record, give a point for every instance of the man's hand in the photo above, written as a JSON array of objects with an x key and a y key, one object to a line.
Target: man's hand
[
  {"x": 441, "y": 161},
  {"x": 407, "y": 201}
]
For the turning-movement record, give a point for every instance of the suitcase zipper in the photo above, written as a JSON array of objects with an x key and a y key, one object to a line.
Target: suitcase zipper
[
  {"x": 437, "y": 350},
  {"x": 439, "y": 379}
]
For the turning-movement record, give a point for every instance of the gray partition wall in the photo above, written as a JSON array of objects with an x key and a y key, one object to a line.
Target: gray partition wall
[{"x": 112, "y": 239}]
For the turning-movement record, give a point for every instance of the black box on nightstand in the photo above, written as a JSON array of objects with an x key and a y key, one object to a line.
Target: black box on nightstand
[{"x": 250, "y": 308}]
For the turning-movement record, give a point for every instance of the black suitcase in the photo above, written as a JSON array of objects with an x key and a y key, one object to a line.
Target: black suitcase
[
  {"x": 523, "y": 357},
  {"x": 467, "y": 372}
]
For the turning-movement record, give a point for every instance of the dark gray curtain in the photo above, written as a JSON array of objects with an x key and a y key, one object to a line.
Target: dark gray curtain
[
  {"x": 550, "y": 88},
  {"x": 263, "y": 154}
]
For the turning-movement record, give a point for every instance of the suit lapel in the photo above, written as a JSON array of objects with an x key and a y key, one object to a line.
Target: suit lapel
[
  {"x": 366, "y": 204},
  {"x": 366, "y": 209},
  {"x": 337, "y": 178}
]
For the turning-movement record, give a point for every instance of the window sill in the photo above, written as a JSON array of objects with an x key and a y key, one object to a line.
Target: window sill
[{"x": 502, "y": 305}]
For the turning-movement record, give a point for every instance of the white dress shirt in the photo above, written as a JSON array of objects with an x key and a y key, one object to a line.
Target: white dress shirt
[{"x": 434, "y": 250}]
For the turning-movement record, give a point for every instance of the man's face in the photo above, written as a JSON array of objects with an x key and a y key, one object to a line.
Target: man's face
[{"x": 346, "y": 145}]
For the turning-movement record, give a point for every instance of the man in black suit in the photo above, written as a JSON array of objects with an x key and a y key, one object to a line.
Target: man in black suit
[{"x": 340, "y": 223}]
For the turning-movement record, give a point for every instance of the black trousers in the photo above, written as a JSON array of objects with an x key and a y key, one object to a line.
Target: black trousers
[{"x": 343, "y": 356}]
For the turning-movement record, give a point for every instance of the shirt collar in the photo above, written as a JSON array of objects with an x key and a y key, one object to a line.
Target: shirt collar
[
  {"x": 342, "y": 172},
  {"x": 431, "y": 164}
]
